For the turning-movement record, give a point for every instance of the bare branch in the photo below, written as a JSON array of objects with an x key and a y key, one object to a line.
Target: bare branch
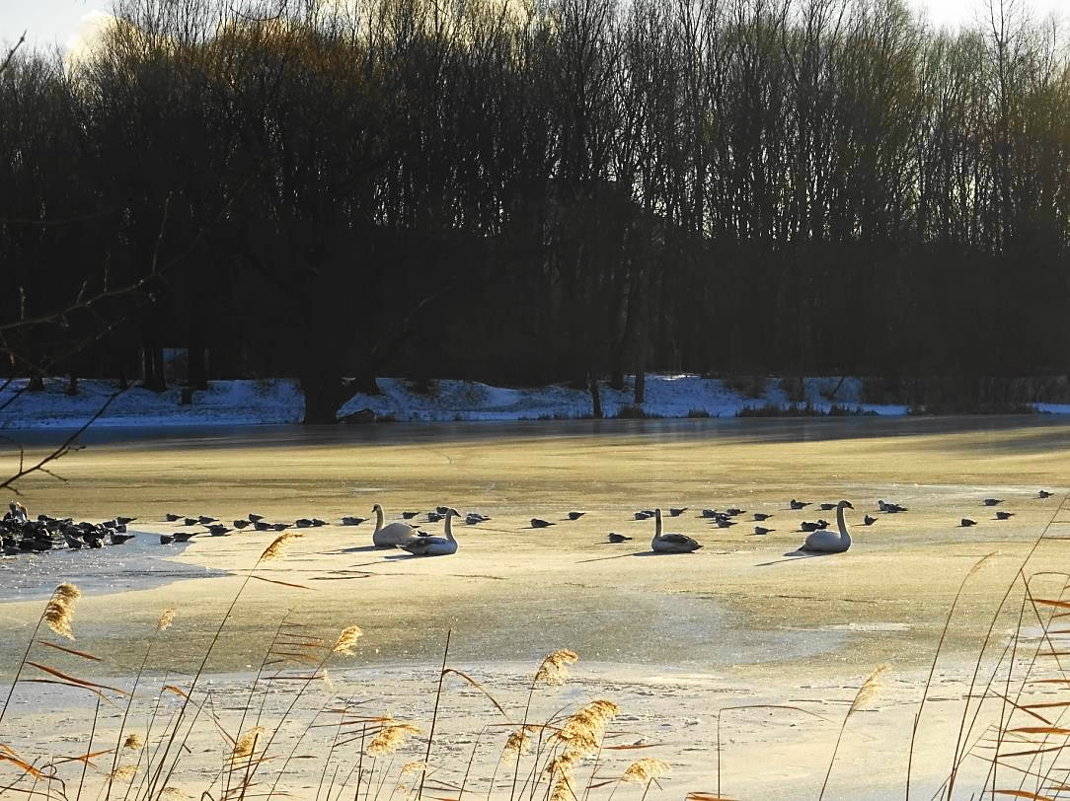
[
  {"x": 11, "y": 53},
  {"x": 69, "y": 444}
]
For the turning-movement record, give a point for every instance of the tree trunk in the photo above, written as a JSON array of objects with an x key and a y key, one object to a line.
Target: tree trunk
[
  {"x": 596, "y": 397},
  {"x": 324, "y": 396},
  {"x": 197, "y": 366},
  {"x": 152, "y": 361}
]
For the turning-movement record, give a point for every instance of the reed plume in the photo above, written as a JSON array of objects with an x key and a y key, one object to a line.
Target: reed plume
[
  {"x": 166, "y": 619},
  {"x": 274, "y": 551},
  {"x": 864, "y": 695},
  {"x": 645, "y": 770},
  {"x": 519, "y": 742},
  {"x": 553, "y": 671},
  {"x": 60, "y": 609},
  {"x": 123, "y": 772},
  {"x": 347, "y": 640},
  {"x": 390, "y": 738},
  {"x": 562, "y": 789},
  {"x": 583, "y": 731},
  {"x": 869, "y": 689},
  {"x": 134, "y": 742},
  {"x": 247, "y": 742}
]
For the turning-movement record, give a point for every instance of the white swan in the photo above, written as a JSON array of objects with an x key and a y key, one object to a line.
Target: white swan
[
  {"x": 825, "y": 541},
  {"x": 394, "y": 535},
  {"x": 434, "y": 546},
  {"x": 670, "y": 543}
]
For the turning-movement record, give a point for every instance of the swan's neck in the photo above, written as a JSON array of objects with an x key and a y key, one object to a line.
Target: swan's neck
[
  {"x": 378, "y": 519},
  {"x": 845, "y": 535},
  {"x": 657, "y": 524},
  {"x": 449, "y": 528}
]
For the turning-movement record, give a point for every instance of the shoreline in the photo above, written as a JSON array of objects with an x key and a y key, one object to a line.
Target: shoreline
[{"x": 668, "y": 396}]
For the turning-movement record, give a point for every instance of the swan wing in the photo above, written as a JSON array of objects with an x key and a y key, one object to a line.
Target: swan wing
[
  {"x": 394, "y": 534},
  {"x": 823, "y": 541},
  {"x": 679, "y": 539},
  {"x": 430, "y": 546},
  {"x": 674, "y": 543}
]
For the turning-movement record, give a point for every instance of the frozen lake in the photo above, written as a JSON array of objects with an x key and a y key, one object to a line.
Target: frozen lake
[
  {"x": 676, "y": 637},
  {"x": 566, "y": 583}
]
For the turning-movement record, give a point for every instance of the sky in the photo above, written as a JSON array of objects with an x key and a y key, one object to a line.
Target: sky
[{"x": 49, "y": 22}]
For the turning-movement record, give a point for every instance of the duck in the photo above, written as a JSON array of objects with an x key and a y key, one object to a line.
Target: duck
[
  {"x": 825, "y": 541},
  {"x": 890, "y": 508},
  {"x": 796, "y": 504},
  {"x": 615, "y": 537},
  {"x": 537, "y": 523},
  {"x": 670, "y": 543},
  {"x": 394, "y": 535},
  {"x": 18, "y": 512},
  {"x": 434, "y": 546}
]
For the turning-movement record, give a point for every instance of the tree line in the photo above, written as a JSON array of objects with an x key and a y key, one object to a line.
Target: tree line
[{"x": 526, "y": 191}]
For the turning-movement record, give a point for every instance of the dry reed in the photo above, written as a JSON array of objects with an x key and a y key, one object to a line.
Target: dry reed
[
  {"x": 347, "y": 641},
  {"x": 553, "y": 671},
  {"x": 59, "y": 612},
  {"x": 645, "y": 770},
  {"x": 870, "y": 687},
  {"x": 166, "y": 619},
  {"x": 518, "y": 742},
  {"x": 246, "y": 743},
  {"x": 278, "y": 546},
  {"x": 390, "y": 738}
]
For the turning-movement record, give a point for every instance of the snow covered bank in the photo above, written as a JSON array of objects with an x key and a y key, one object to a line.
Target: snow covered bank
[
  {"x": 280, "y": 401},
  {"x": 666, "y": 396},
  {"x": 223, "y": 403}
]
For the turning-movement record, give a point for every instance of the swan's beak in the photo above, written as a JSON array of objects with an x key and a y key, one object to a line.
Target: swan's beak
[{"x": 848, "y": 505}]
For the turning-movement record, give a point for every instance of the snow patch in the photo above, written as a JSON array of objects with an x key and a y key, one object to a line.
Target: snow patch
[{"x": 280, "y": 401}]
